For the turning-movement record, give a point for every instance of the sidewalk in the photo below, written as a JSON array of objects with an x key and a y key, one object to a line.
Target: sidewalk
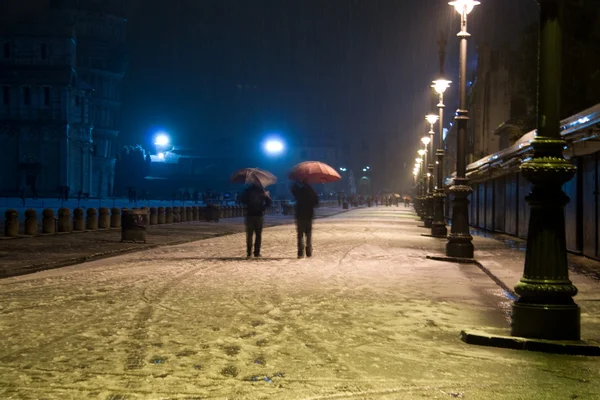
[
  {"x": 33, "y": 254},
  {"x": 502, "y": 258}
]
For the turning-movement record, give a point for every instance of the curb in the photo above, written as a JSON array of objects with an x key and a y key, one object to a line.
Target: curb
[
  {"x": 482, "y": 267},
  {"x": 574, "y": 348}
]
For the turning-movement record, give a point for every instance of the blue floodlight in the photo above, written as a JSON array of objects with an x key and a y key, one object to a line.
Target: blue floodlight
[
  {"x": 274, "y": 146},
  {"x": 161, "y": 139},
  {"x": 161, "y": 156}
]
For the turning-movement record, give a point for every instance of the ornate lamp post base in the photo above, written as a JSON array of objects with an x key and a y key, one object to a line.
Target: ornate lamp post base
[
  {"x": 428, "y": 211},
  {"x": 546, "y": 321},
  {"x": 438, "y": 226},
  {"x": 460, "y": 240},
  {"x": 545, "y": 309}
]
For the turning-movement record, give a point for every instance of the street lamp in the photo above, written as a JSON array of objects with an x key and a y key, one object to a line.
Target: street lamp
[
  {"x": 419, "y": 196},
  {"x": 460, "y": 241},
  {"x": 438, "y": 226},
  {"x": 424, "y": 182},
  {"x": 431, "y": 118},
  {"x": 545, "y": 308}
]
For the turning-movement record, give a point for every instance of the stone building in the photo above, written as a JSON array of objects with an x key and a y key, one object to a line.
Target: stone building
[
  {"x": 60, "y": 99},
  {"x": 101, "y": 62},
  {"x": 490, "y": 100},
  {"x": 45, "y": 126}
]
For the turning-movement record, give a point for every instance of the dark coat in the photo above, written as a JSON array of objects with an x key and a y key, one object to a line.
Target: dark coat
[
  {"x": 256, "y": 200},
  {"x": 306, "y": 200}
]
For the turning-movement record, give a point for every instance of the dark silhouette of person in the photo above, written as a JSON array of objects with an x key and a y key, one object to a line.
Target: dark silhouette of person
[
  {"x": 257, "y": 200},
  {"x": 306, "y": 201},
  {"x": 22, "y": 195}
]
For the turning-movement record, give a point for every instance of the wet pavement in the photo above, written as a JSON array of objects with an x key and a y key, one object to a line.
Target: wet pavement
[{"x": 367, "y": 317}]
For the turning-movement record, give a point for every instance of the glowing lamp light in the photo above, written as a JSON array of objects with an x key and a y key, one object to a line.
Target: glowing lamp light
[
  {"x": 364, "y": 170},
  {"x": 465, "y": 6},
  {"x": 440, "y": 85},
  {"x": 425, "y": 140},
  {"x": 419, "y": 160},
  {"x": 415, "y": 173},
  {"x": 431, "y": 118},
  {"x": 421, "y": 152},
  {"x": 161, "y": 139},
  {"x": 161, "y": 156},
  {"x": 274, "y": 146}
]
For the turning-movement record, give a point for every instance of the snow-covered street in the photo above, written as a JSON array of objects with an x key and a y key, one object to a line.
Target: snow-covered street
[{"x": 367, "y": 317}]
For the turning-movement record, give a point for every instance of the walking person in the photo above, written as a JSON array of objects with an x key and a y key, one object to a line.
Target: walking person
[
  {"x": 257, "y": 200},
  {"x": 306, "y": 201}
]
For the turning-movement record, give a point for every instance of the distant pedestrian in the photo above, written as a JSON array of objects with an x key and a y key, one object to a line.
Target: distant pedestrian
[
  {"x": 306, "y": 201},
  {"x": 257, "y": 200}
]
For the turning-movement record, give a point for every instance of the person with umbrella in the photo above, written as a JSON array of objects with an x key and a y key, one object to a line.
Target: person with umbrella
[
  {"x": 257, "y": 200},
  {"x": 307, "y": 199}
]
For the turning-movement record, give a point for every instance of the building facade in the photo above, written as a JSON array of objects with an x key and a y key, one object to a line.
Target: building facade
[
  {"x": 101, "y": 62},
  {"x": 60, "y": 99},
  {"x": 490, "y": 100},
  {"x": 45, "y": 124}
]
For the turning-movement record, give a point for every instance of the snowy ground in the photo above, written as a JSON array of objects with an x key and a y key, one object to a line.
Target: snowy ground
[{"x": 368, "y": 317}]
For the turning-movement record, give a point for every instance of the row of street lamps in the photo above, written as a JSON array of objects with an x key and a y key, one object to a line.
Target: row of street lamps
[
  {"x": 430, "y": 199},
  {"x": 545, "y": 308}
]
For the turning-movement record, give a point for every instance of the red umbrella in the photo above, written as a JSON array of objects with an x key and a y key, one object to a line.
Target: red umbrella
[
  {"x": 254, "y": 176},
  {"x": 314, "y": 172}
]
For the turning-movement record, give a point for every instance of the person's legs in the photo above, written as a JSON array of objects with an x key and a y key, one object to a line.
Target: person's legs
[
  {"x": 308, "y": 232},
  {"x": 249, "y": 231},
  {"x": 300, "y": 234},
  {"x": 258, "y": 230}
]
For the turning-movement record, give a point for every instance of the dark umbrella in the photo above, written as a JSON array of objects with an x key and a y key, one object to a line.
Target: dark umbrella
[
  {"x": 314, "y": 172},
  {"x": 253, "y": 176}
]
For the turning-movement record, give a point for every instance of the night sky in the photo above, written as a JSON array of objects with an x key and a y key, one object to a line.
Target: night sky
[{"x": 225, "y": 72}]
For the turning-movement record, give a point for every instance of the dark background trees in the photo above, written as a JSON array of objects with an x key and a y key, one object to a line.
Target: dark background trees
[{"x": 132, "y": 166}]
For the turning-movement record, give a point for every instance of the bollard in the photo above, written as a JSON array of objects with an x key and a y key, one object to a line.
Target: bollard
[
  {"x": 92, "y": 219},
  {"x": 115, "y": 217},
  {"x": 31, "y": 223},
  {"x": 220, "y": 212},
  {"x": 201, "y": 213},
  {"x": 48, "y": 221},
  {"x": 195, "y": 213},
  {"x": 133, "y": 225},
  {"x": 169, "y": 215},
  {"x": 161, "y": 216},
  {"x": 239, "y": 212},
  {"x": 78, "y": 220},
  {"x": 189, "y": 214},
  {"x": 64, "y": 220},
  {"x": 153, "y": 216},
  {"x": 244, "y": 211},
  {"x": 11, "y": 223},
  {"x": 176, "y": 215},
  {"x": 103, "y": 218},
  {"x": 182, "y": 214}
]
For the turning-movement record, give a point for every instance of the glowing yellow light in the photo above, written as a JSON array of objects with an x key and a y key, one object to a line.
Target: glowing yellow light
[{"x": 466, "y": 5}]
